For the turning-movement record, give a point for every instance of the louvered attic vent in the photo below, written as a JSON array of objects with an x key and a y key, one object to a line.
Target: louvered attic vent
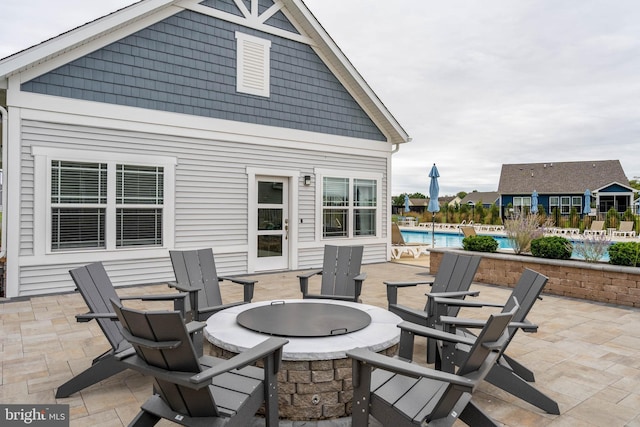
[{"x": 253, "y": 64}]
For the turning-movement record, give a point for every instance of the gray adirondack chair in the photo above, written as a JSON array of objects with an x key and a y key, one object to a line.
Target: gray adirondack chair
[
  {"x": 96, "y": 288},
  {"x": 341, "y": 276},
  {"x": 193, "y": 390},
  {"x": 400, "y": 393},
  {"x": 506, "y": 373},
  {"x": 453, "y": 280},
  {"x": 196, "y": 274}
]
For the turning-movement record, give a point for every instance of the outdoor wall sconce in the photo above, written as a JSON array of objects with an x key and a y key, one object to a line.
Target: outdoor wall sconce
[{"x": 307, "y": 180}]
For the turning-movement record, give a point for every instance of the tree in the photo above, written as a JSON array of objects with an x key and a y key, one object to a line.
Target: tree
[
  {"x": 417, "y": 196},
  {"x": 635, "y": 184}
]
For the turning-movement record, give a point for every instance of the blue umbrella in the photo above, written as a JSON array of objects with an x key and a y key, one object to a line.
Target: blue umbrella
[
  {"x": 587, "y": 202},
  {"x": 433, "y": 207},
  {"x": 434, "y": 189},
  {"x": 406, "y": 203},
  {"x": 534, "y": 202}
]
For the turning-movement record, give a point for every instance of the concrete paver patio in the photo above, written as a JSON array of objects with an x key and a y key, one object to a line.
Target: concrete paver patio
[{"x": 585, "y": 355}]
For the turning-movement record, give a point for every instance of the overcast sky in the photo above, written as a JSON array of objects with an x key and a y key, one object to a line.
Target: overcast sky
[{"x": 474, "y": 83}]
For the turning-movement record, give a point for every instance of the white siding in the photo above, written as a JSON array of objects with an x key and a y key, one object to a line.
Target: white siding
[{"x": 210, "y": 204}]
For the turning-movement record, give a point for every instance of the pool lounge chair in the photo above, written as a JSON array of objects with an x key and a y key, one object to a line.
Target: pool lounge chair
[
  {"x": 625, "y": 229},
  {"x": 597, "y": 228},
  {"x": 468, "y": 231},
  {"x": 400, "y": 247}
]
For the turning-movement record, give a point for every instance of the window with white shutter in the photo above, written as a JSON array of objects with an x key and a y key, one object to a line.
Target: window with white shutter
[{"x": 253, "y": 58}]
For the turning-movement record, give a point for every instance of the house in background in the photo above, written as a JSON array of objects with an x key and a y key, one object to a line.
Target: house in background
[
  {"x": 486, "y": 198},
  {"x": 169, "y": 124},
  {"x": 562, "y": 185}
]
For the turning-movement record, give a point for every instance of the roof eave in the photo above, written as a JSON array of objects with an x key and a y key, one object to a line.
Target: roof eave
[{"x": 83, "y": 34}]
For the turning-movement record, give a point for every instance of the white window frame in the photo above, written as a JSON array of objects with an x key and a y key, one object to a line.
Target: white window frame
[
  {"x": 554, "y": 202},
  {"x": 43, "y": 156},
  {"x": 253, "y": 64},
  {"x": 351, "y": 176}
]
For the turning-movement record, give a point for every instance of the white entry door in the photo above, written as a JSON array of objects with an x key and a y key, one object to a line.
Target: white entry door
[{"x": 272, "y": 227}]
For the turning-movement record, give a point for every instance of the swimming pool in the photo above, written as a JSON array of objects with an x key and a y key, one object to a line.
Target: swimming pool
[
  {"x": 454, "y": 240},
  {"x": 446, "y": 240}
]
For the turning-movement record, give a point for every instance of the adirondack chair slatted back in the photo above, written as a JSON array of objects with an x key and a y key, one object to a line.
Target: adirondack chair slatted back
[
  {"x": 526, "y": 292},
  {"x": 96, "y": 289},
  {"x": 341, "y": 264},
  {"x": 494, "y": 331},
  {"x": 173, "y": 352},
  {"x": 197, "y": 268},
  {"x": 479, "y": 361},
  {"x": 456, "y": 272}
]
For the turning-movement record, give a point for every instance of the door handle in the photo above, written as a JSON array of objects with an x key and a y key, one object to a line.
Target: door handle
[{"x": 286, "y": 229}]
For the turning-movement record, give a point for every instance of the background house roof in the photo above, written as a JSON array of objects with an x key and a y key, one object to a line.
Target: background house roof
[
  {"x": 486, "y": 197},
  {"x": 560, "y": 177}
]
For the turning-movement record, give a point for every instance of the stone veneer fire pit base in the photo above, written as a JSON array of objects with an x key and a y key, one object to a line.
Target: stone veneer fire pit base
[
  {"x": 314, "y": 382},
  {"x": 313, "y": 390}
]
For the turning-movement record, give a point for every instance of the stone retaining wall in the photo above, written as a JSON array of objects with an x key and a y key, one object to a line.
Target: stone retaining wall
[{"x": 577, "y": 279}]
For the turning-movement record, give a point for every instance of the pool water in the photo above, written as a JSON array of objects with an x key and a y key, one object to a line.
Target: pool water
[{"x": 454, "y": 240}]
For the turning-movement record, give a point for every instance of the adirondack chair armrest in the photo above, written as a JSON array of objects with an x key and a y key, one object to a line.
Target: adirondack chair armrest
[
  {"x": 526, "y": 326},
  {"x": 260, "y": 351},
  {"x": 412, "y": 328},
  {"x": 358, "y": 284},
  {"x": 195, "y": 326},
  {"x": 182, "y": 288},
  {"x": 163, "y": 297},
  {"x": 218, "y": 308},
  {"x": 392, "y": 289},
  {"x": 333, "y": 297},
  {"x": 248, "y": 286},
  {"x": 363, "y": 355},
  {"x": 464, "y": 303},
  {"x": 456, "y": 294},
  {"x": 304, "y": 280},
  {"x": 125, "y": 353},
  {"x": 91, "y": 316}
]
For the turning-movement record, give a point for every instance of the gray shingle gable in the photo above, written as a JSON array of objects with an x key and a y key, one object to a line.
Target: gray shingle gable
[
  {"x": 186, "y": 64},
  {"x": 560, "y": 177}
]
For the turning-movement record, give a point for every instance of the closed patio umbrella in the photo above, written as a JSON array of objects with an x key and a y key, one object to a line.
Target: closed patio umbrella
[
  {"x": 433, "y": 207},
  {"x": 587, "y": 202},
  {"x": 534, "y": 202},
  {"x": 406, "y": 203}
]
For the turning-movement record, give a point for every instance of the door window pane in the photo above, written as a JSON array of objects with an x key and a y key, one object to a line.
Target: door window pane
[
  {"x": 269, "y": 245},
  {"x": 269, "y": 192},
  {"x": 269, "y": 219}
]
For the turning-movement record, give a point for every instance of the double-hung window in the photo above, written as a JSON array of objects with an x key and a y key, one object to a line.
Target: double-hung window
[
  {"x": 350, "y": 207},
  {"x": 111, "y": 203},
  {"x": 78, "y": 205}
]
